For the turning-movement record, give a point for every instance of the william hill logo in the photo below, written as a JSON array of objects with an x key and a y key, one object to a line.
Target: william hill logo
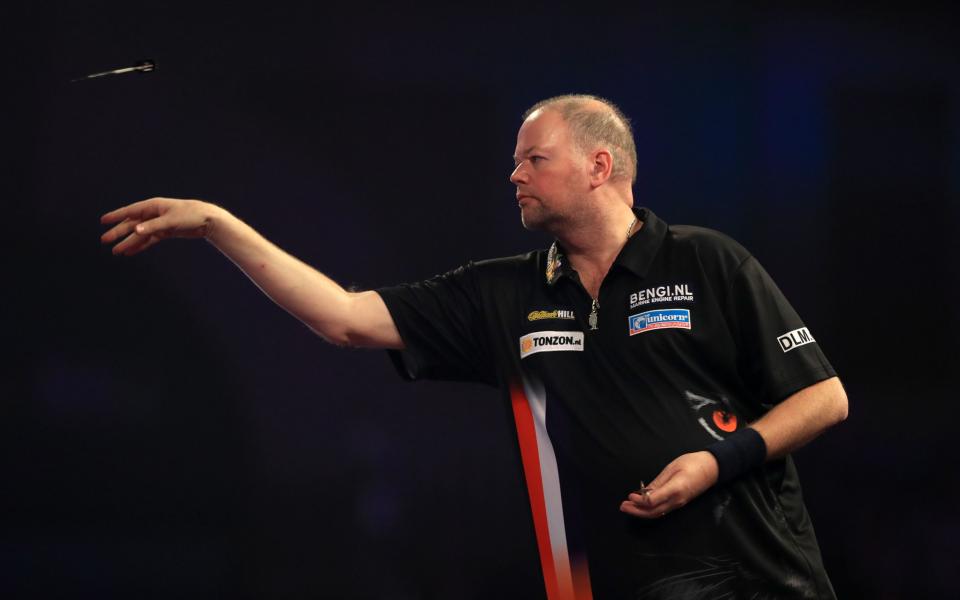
[
  {"x": 539, "y": 315},
  {"x": 551, "y": 341},
  {"x": 795, "y": 339}
]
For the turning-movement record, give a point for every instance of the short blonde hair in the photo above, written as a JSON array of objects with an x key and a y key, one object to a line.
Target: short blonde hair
[{"x": 591, "y": 127}]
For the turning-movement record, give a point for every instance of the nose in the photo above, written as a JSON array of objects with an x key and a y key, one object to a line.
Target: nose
[{"x": 519, "y": 174}]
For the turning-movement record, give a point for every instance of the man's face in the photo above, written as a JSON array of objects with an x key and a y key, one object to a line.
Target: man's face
[{"x": 550, "y": 173}]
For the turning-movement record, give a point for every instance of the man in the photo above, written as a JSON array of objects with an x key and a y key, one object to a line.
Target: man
[{"x": 630, "y": 351}]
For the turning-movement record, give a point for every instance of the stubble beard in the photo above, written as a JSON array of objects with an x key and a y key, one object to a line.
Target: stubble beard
[
  {"x": 559, "y": 212},
  {"x": 535, "y": 217}
]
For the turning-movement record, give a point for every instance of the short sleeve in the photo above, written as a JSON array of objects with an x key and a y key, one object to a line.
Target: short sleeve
[
  {"x": 441, "y": 323},
  {"x": 777, "y": 354}
]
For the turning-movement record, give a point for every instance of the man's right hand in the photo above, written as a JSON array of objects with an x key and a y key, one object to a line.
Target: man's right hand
[{"x": 143, "y": 224}]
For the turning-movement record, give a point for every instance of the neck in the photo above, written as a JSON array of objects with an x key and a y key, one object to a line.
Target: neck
[{"x": 592, "y": 246}]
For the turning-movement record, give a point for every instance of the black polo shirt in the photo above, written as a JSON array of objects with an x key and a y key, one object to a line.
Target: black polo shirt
[{"x": 690, "y": 341}]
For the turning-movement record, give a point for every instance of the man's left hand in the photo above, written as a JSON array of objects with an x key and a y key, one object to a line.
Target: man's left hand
[{"x": 685, "y": 478}]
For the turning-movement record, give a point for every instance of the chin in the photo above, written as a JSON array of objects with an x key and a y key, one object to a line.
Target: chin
[
  {"x": 531, "y": 222},
  {"x": 538, "y": 220}
]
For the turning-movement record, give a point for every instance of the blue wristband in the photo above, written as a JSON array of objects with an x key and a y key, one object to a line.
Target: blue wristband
[{"x": 739, "y": 453}]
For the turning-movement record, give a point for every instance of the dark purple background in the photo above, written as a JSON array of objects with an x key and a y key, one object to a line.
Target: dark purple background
[{"x": 167, "y": 432}]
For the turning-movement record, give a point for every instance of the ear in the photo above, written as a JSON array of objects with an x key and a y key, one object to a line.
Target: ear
[{"x": 601, "y": 167}]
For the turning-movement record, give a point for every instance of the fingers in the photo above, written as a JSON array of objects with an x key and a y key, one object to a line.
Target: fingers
[
  {"x": 139, "y": 225},
  {"x": 131, "y": 245},
  {"x": 633, "y": 510},
  {"x": 652, "y": 505},
  {"x": 659, "y": 492},
  {"x": 685, "y": 478},
  {"x": 651, "y": 500},
  {"x": 154, "y": 226},
  {"x": 128, "y": 217},
  {"x": 144, "y": 209},
  {"x": 663, "y": 495},
  {"x": 148, "y": 243},
  {"x": 119, "y": 231},
  {"x": 138, "y": 239}
]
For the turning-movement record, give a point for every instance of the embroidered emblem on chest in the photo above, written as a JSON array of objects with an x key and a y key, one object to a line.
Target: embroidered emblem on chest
[
  {"x": 661, "y": 293},
  {"x": 539, "y": 315},
  {"x": 551, "y": 341},
  {"x": 670, "y": 318}
]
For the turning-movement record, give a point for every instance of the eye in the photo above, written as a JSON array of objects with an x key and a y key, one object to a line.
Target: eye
[{"x": 532, "y": 159}]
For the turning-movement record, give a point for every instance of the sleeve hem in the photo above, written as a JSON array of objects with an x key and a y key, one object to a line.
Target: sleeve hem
[
  {"x": 793, "y": 385},
  {"x": 405, "y": 361}
]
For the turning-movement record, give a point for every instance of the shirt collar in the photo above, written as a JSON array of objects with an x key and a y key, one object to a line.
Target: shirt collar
[{"x": 636, "y": 255}]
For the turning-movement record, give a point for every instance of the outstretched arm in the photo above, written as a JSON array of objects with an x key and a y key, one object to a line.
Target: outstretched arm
[
  {"x": 358, "y": 319},
  {"x": 787, "y": 426}
]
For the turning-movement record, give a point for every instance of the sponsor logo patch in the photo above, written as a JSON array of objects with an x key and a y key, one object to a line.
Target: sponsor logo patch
[
  {"x": 551, "y": 341},
  {"x": 661, "y": 293},
  {"x": 668, "y": 318},
  {"x": 539, "y": 315},
  {"x": 795, "y": 339}
]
